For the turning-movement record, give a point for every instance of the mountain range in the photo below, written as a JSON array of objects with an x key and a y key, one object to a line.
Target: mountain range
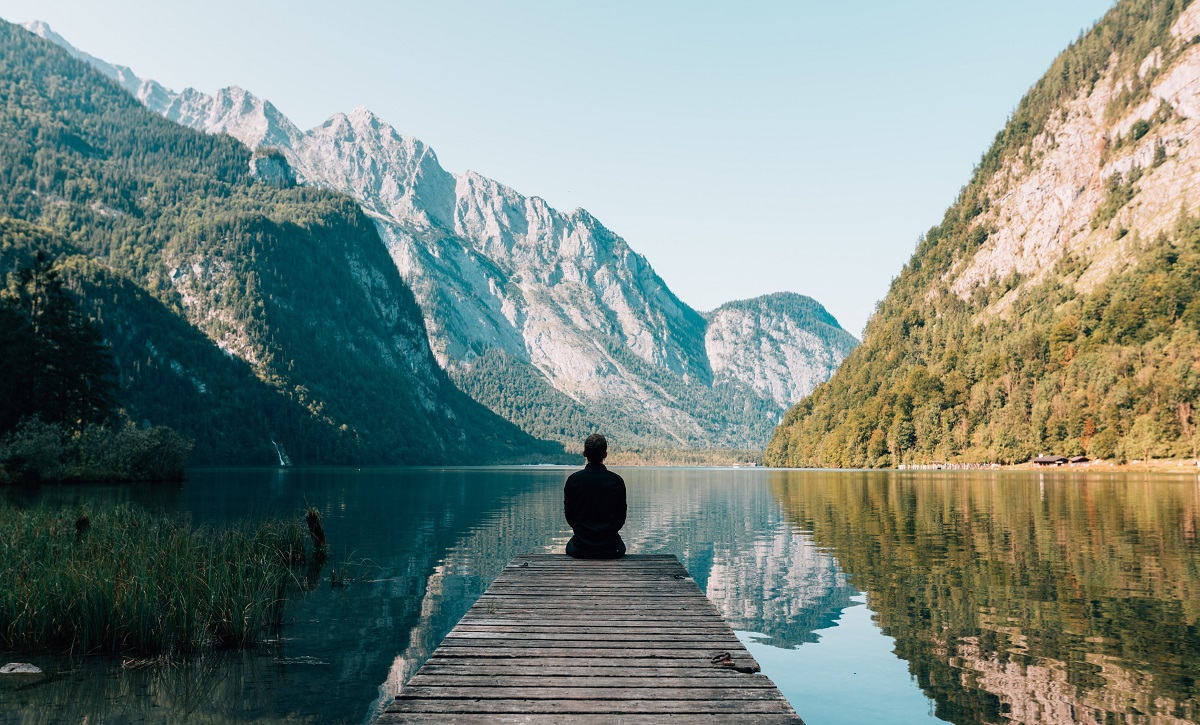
[
  {"x": 547, "y": 318},
  {"x": 265, "y": 320},
  {"x": 1056, "y": 306}
]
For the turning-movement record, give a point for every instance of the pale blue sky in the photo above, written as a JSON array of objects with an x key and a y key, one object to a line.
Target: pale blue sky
[{"x": 743, "y": 147}]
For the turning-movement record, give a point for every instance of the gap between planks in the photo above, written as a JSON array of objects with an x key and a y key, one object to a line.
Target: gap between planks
[{"x": 559, "y": 640}]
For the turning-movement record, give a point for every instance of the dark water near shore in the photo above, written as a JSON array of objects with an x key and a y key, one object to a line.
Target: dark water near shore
[{"x": 899, "y": 597}]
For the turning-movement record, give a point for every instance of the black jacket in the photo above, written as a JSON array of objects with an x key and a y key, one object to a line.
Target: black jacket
[{"x": 594, "y": 501}]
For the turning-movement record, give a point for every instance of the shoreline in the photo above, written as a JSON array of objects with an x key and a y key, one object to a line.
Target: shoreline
[{"x": 1154, "y": 465}]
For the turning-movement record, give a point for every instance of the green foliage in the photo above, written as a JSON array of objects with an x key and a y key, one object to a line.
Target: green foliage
[
  {"x": 810, "y": 314},
  {"x": 514, "y": 390},
  {"x": 1109, "y": 373},
  {"x": 55, "y": 364},
  {"x": 124, "y": 580},
  {"x": 942, "y": 378},
  {"x": 1086, "y": 589},
  {"x": 166, "y": 240},
  {"x": 1121, "y": 189},
  {"x": 36, "y": 451}
]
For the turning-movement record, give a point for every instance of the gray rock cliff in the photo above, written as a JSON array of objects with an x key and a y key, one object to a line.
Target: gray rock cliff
[{"x": 556, "y": 293}]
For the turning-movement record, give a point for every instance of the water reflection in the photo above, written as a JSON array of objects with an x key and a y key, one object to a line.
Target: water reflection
[
  {"x": 1008, "y": 596},
  {"x": 422, "y": 545},
  {"x": 1052, "y": 598},
  {"x": 88, "y": 689},
  {"x": 726, "y": 528}
]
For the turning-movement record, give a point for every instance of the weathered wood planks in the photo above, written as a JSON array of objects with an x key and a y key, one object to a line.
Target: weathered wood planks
[{"x": 557, "y": 640}]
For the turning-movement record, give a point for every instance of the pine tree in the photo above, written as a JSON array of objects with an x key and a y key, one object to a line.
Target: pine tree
[{"x": 59, "y": 368}]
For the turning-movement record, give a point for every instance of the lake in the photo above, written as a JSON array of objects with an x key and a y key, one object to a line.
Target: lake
[{"x": 891, "y": 596}]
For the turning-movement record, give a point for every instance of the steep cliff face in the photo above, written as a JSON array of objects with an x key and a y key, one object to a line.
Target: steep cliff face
[
  {"x": 192, "y": 251},
  {"x": 552, "y": 298},
  {"x": 1051, "y": 310},
  {"x": 781, "y": 345},
  {"x": 495, "y": 270},
  {"x": 1104, "y": 163}
]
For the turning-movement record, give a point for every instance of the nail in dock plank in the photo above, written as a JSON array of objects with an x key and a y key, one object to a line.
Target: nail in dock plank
[{"x": 562, "y": 640}]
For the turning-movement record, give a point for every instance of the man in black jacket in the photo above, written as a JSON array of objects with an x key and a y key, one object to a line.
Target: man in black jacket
[{"x": 594, "y": 501}]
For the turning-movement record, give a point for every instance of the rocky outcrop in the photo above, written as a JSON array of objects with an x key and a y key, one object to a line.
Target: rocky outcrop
[
  {"x": 270, "y": 167},
  {"x": 557, "y": 293},
  {"x": 190, "y": 250},
  {"x": 780, "y": 345},
  {"x": 1048, "y": 202},
  {"x": 1072, "y": 251}
]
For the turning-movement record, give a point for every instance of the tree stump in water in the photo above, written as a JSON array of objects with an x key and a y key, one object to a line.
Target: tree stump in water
[{"x": 313, "y": 518}]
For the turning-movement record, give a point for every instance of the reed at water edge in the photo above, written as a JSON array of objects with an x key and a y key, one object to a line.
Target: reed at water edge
[{"x": 126, "y": 580}]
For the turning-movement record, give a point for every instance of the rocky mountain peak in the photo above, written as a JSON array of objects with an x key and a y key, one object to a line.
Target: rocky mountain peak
[
  {"x": 782, "y": 345},
  {"x": 119, "y": 73},
  {"x": 561, "y": 298}
]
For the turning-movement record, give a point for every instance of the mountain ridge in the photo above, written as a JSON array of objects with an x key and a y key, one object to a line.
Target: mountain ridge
[
  {"x": 556, "y": 293},
  {"x": 246, "y": 314},
  {"x": 1051, "y": 310}
]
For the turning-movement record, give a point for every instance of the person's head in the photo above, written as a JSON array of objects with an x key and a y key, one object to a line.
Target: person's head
[{"x": 595, "y": 448}]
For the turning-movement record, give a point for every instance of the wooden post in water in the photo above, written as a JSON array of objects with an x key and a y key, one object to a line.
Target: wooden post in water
[{"x": 556, "y": 639}]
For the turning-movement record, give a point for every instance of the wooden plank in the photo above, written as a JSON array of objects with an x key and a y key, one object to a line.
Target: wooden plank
[
  {"x": 564, "y": 624},
  {"x": 515, "y": 607},
  {"x": 515, "y": 668},
  {"x": 536, "y": 639},
  {"x": 580, "y": 707},
  {"x": 716, "y": 679},
  {"x": 707, "y": 691},
  {"x": 542, "y": 661},
  {"x": 578, "y": 653},
  {"x": 559, "y": 640},
  {"x": 497, "y": 718},
  {"x": 532, "y": 620}
]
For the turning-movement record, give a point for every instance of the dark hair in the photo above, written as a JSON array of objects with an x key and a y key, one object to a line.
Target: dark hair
[{"x": 595, "y": 447}]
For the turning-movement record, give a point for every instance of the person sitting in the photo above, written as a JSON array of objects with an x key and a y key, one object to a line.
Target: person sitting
[{"x": 594, "y": 501}]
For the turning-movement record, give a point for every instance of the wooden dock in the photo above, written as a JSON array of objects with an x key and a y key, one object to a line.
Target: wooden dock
[{"x": 559, "y": 640}]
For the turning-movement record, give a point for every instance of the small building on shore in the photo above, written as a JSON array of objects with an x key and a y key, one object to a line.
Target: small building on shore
[{"x": 1050, "y": 461}]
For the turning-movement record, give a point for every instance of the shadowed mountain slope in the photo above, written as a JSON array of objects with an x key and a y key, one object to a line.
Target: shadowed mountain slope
[
  {"x": 254, "y": 316},
  {"x": 548, "y": 318}
]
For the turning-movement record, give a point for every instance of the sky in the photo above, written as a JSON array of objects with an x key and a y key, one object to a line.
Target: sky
[{"x": 743, "y": 147}]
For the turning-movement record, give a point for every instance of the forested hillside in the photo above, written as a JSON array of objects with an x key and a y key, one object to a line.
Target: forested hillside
[
  {"x": 250, "y": 314},
  {"x": 546, "y": 317},
  {"x": 1005, "y": 598},
  {"x": 1056, "y": 307}
]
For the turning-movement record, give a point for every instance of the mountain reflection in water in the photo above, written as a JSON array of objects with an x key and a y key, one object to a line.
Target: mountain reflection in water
[
  {"x": 1010, "y": 596},
  {"x": 1055, "y": 598},
  {"x": 422, "y": 545},
  {"x": 726, "y": 528}
]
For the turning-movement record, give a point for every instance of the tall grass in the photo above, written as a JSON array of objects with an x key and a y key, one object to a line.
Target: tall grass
[{"x": 130, "y": 581}]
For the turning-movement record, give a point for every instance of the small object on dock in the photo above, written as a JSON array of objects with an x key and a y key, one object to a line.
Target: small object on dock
[{"x": 563, "y": 640}]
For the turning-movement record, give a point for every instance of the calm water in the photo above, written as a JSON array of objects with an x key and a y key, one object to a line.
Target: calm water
[{"x": 895, "y": 597}]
